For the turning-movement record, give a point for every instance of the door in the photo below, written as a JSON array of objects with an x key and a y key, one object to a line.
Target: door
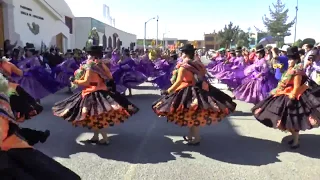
[
  {"x": 109, "y": 42},
  {"x": 104, "y": 40},
  {"x": 1, "y": 26},
  {"x": 59, "y": 41}
]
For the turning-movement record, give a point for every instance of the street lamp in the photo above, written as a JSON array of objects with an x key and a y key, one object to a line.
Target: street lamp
[
  {"x": 163, "y": 41},
  {"x": 145, "y": 32},
  {"x": 157, "y": 30}
]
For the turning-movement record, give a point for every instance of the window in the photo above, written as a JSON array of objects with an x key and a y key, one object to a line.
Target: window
[
  {"x": 68, "y": 22},
  {"x": 97, "y": 24},
  {"x": 210, "y": 47},
  {"x": 209, "y": 38},
  {"x": 170, "y": 42}
]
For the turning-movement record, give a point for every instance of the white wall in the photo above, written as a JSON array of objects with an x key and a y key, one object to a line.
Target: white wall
[
  {"x": 60, "y": 6},
  {"x": 86, "y": 8},
  {"x": 83, "y": 27},
  {"x": 171, "y": 39},
  {"x": 49, "y": 27},
  {"x": 125, "y": 37},
  {"x": 54, "y": 12}
]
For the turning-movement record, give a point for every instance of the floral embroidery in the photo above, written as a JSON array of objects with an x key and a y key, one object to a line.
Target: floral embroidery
[
  {"x": 79, "y": 73},
  {"x": 287, "y": 77},
  {"x": 196, "y": 67},
  {"x": 175, "y": 73}
]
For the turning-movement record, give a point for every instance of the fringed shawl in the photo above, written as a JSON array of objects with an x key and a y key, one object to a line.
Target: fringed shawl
[
  {"x": 92, "y": 65},
  {"x": 5, "y": 108},
  {"x": 194, "y": 66}
]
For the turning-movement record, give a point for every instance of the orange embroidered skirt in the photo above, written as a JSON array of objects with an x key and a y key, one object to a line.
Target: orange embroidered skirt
[
  {"x": 287, "y": 114},
  {"x": 97, "y": 110},
  {"x": 193, "y": 106}
]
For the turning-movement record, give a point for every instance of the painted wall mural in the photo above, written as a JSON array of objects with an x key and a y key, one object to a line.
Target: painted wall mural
[{"x": 34, "y": 28}]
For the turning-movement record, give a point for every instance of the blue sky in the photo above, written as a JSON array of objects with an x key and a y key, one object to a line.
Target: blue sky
[{"x": 190, "y": 19}]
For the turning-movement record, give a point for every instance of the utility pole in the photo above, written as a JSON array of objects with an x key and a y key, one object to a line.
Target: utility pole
[
  {"x": 295, "y": 25},
  {"x": 145, "y": 33},
  {"x": 163, "y": 40},
  {"x": 145, "y": 36}
]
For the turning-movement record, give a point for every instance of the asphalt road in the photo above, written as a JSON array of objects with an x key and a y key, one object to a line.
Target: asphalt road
[{"x": 148, "y": 148}]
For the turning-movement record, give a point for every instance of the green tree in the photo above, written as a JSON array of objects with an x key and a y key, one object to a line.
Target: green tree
[
  {"x": 228, "y": 35},
  {"x": 261, "y": 35},
  {"x": 140, "y": 42},
  {"x": 277, "y": 24},
  {"x": 243, "y": 39},
  {"x": 298, "y": 43}
]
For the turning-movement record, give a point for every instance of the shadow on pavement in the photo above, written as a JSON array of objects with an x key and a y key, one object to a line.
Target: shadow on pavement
[
  {"x": 240, "y": 150},
  {"x": 240, "y": 113},
  {"x": 155, "y": 149},
  {"x": 145, "y": 97},
  {"x": 130, "y": 141},
  {"x": 145, "y": 138},
  {"x": 308, "y": 145},
  {"x": 146, "y": 88}
]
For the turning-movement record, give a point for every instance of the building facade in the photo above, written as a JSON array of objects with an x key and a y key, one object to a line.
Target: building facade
[
  {"x": 108, "y": 36},
  {"x": 199, "y": 44},
  {"x": 35, "y": 21},
  {"x": 53, "y": 23},
  {"x": 211, "y": 41},
  {"x": 167, "y": 42}
]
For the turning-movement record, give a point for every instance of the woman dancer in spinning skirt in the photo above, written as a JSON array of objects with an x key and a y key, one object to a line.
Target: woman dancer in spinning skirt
[
  {"x": 95, "y": 106},
  {"x": 191, "y": 101},
  {"x": 259, "y": 81},
  {"x": 293, "y": 106},
  {"x": 126, "y": 76},
  {"x": 18, "y": 159},
  {"x": 22, "y": 104}
]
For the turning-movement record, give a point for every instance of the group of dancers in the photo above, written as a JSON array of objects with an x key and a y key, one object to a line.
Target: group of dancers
[
  {"x": 98, "y": 101},
  {"x": 280, "y": 83}
]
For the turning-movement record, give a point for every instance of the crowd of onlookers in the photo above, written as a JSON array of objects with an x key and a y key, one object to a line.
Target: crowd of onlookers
[{"x": 53, "y": 56}]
